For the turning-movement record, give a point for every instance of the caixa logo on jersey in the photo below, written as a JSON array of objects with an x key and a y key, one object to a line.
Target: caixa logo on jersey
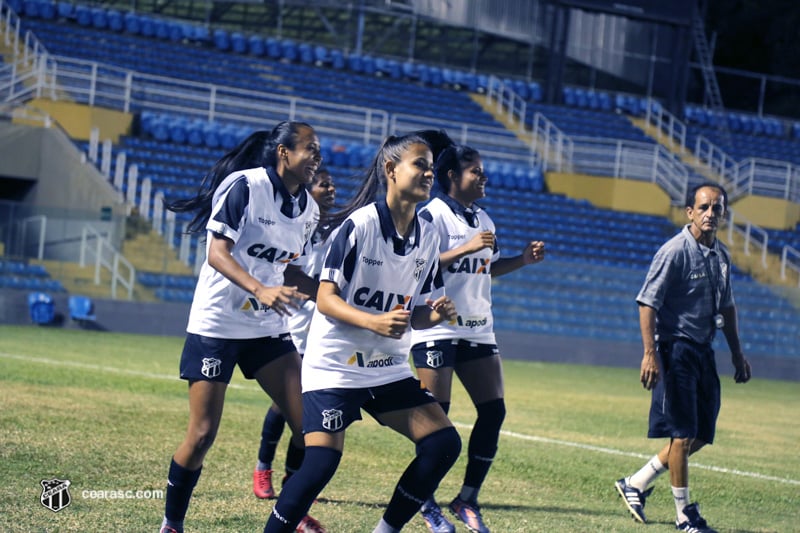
[
  {"x": 470, "y": 265},
  {"x": 55, "y": 494},
  {"x": 271, "y": 254},
  {"x": 379, "y": 300}
]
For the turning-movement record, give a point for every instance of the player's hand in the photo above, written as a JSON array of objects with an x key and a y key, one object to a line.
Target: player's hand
[
  {"x": 392, "y": 324},
  {"x": 479, "y": 241},
  {"x": 443, "y": 309},
  {"x": 741, "y": 365},
  {"x": 649, "y": 371},
  {"x": 533, "y": 253},
  {"x": 281, "y": 298}
]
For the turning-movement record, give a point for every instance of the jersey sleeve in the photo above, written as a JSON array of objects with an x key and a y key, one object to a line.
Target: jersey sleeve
[
  {"x": 230, "y": 212},
  {"x": 658, "y": 279},
  {"x": 340, "y": 259}
]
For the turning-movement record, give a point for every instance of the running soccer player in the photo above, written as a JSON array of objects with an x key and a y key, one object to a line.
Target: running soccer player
[
  {"x": 257, "y": 221},
  {"x": 323, "y": 191},
  {"x": 469, "y": 258},
  {"x": 380, "y": 278}
]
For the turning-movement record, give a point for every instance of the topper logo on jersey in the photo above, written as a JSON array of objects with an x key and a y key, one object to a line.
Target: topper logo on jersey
[
  {"x": 470, "y": 265},
  {"x": 379, "y": 300},
  {"x": 332, "y": 419},
  {"x": 434, "y": 358},
  {"x": 212, "y": 367},
  {"x": 266, "y": 221},
  {"x": 379, "y": 360},
  {"x": 472, "y": 321},
  {"x": 271, "y": 254}
]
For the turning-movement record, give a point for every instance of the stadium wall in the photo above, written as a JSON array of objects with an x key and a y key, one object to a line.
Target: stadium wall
[
  {"x": 766, "y": 212},
  {"x": 611, "y": 193},
  {"x": 78, "y": 120},
  {"x": 164, "y": 318}
]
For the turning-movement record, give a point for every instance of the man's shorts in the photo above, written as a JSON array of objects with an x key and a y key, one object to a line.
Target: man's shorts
[
  {"x": 332, "y": 410},
  {"x": 449, "y": 352},
  {"x": 210, "y": 359},
  {"x": 686, "y": 400}
]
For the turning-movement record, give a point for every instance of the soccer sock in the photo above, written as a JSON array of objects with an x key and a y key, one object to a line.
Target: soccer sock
[
  {"x": 294, "y": 459},
  {"x": 647, "y": 474},
  {"x": 383, "y": 527},
  {"x": 436, "y": 453},
  {"x": 681, "y": 497},
  {"x": 180, "y": 484},
  {"x": 271, "y": 433},
  {"x": 299, "y": 492},
  {"x": 483, "y": 445}
]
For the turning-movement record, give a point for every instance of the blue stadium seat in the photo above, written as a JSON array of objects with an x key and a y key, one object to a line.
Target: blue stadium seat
[
  {"x": 83, "y": 15},
  {"x": 256, "y": 46},
  {"x": 41, "y": 308},
  {"x": 306, "y": 53},
  {"x": 238, "y": 42},
  {"x": 289, "y": 50},
  {"x": 569, "y": 96},
  {"x": 133, "y": 23},
  {"x": 148, "y": 26},
  {"x": 66, "y": 10},
  {"x": 31, "y": 8},
  {"x": 47, "y": 10},
  {"x": 115, "y": 20},
  {"x": 337, "y": 59},
  {"x": 321, "y": 55},
  {"x": 221, "y": 40},
  {"x": 273, "y": 47},
  {"x": 161, "y": 29},
  {"x": 355, "y": 63},
  {"x": 81, "y": 308},
  {"x": 99, "y": 18}
]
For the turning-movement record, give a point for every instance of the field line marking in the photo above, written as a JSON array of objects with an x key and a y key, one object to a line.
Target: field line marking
[{"x": 521, "y": 436}]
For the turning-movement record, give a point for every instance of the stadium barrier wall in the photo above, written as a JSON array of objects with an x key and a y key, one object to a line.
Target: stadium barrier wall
[
  {"x": 611, "y": 193},
  {"x": 78, "y": 119},
  {"x": 773, "y": 213}
]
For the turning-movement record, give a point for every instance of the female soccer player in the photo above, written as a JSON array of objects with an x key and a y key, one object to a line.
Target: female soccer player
[
  {"x": 469, "y": 257},
  {"x": 380, "y": 276},
  {"x": 257, "y": 222},
  {"x": 323, "y": 191}
]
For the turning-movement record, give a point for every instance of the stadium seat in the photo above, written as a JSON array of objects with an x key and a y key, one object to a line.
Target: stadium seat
[
  {"x": 306, "y": 53},
  {"x": 66, "y": 10},
  {"x": 221, "y": 40},
  {"x": 81, "y": 308},
  {"x": 238, "y": 42},
  {"x": 41, "y": 308},
  {"x": 115, "y": 20},
  {"x": 273, "y": 47},
  {"x": 289, "y": 50},
  {"x": 83, "y": 15},
  {"x": 47, "y": 10},
  {"x": 255, "y": 45},
  {"x": 133, "y": 23},
  {"x": 337, "y": 59},
  {"x": 99, "y": 18}
]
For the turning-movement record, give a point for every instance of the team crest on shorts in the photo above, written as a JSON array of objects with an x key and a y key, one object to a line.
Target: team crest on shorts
[
  {"x": 419, "y": 268},
  {"x": 332, "y": 419},
  {"x": 212, "y": 367},
  {"x": 434, "y": 358},
  {"x": 55, "y": 494}
]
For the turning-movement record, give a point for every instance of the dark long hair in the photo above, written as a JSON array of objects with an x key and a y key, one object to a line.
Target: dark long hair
[
  {"x": 374, "y": 180},
  {"x": 257, "y": 150},
  {"x": 452, "y": 158}
]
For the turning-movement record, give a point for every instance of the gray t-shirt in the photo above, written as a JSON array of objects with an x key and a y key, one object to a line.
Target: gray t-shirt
[{"x": 687, "y": 284}]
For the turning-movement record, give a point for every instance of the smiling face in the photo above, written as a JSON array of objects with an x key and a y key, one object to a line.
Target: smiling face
[
  {"x": 706, "y": 214},
  {"x": 411, "y": 178},
  {"x": 323, "y": 191},
  {"x": 470, "y": 185},
  {"x": 297, "y": 166}
]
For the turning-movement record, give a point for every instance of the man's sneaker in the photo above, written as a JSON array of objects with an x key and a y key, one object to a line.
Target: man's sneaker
[
  {"x": 470, "y": 514},
  {"x": 309, "y": 525},
  {"x": 634, "y": 499},
  {"x": 694, "y": 523},
  {"x": 434, "y": 518},
  {"x": 262, "y": 484}
]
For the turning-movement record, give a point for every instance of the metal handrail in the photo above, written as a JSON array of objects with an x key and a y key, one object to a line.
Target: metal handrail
[{"x": 102, "y": 250}]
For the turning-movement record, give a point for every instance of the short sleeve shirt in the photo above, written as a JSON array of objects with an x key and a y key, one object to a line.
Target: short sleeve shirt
[{"x": 687, "y": 284}]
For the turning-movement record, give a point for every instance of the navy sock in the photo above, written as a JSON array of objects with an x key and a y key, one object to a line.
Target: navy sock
[
  {"x": 294, "y": 459},
  {"x": 180, "y": 484},
  {"x": 436, "y": 453},
  {"x": 298, "y": 493},
  {"x": 483, "y": 441},
  {"x": 270, "y": 436}
]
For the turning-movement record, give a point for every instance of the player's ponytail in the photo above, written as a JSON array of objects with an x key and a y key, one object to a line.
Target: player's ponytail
[{"x": 259, "y": 149}]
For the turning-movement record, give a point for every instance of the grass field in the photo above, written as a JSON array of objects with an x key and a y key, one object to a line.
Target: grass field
[{"x": 106, "y": 411}]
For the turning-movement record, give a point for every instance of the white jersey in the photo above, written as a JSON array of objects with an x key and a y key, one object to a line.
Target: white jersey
[
  {"x": 375, "y": 272},
  {"x": 246, "y": 208},
  {"x": 468, "y": 280},
  {"x": 300, "y": 319}
]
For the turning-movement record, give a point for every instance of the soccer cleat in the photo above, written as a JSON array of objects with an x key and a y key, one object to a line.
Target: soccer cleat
[
  {"x": 470, "y": 514},
  {"x": 694, "y": 523},
  {"x": 262, "y": 484},
  {"x": 309, "y": 525},
  {"x": 434, "y": 519},
  {"x": 634, "y": 499}
]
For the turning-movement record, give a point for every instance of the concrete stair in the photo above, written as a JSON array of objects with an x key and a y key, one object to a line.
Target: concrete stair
[{"x": 148, "y": 251}]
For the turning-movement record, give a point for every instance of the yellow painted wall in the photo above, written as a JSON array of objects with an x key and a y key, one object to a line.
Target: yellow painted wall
[
  {"x": 78, "y": 119},
  {"x": 611, "y": 193},
  {"x": 768, "y": 212}
]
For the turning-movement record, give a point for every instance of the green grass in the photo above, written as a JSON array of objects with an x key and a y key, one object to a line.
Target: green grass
[{"x": 106, "y": 411}]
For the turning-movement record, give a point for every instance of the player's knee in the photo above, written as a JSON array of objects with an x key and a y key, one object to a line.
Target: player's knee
[
  {"x": 681, "y": 445},
  {"x": 200, "y": 439},
  {"x": 440, "y": 448},
  {"x": 491, "y": 414}
]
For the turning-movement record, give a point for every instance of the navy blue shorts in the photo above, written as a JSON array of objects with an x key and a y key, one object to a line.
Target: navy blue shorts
[
  {"x": 686, "y": 400},
  {"x": 332, "y": 410},
  {"x": 449, "y": 352},
  {"x": 210, "y": 359}
]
